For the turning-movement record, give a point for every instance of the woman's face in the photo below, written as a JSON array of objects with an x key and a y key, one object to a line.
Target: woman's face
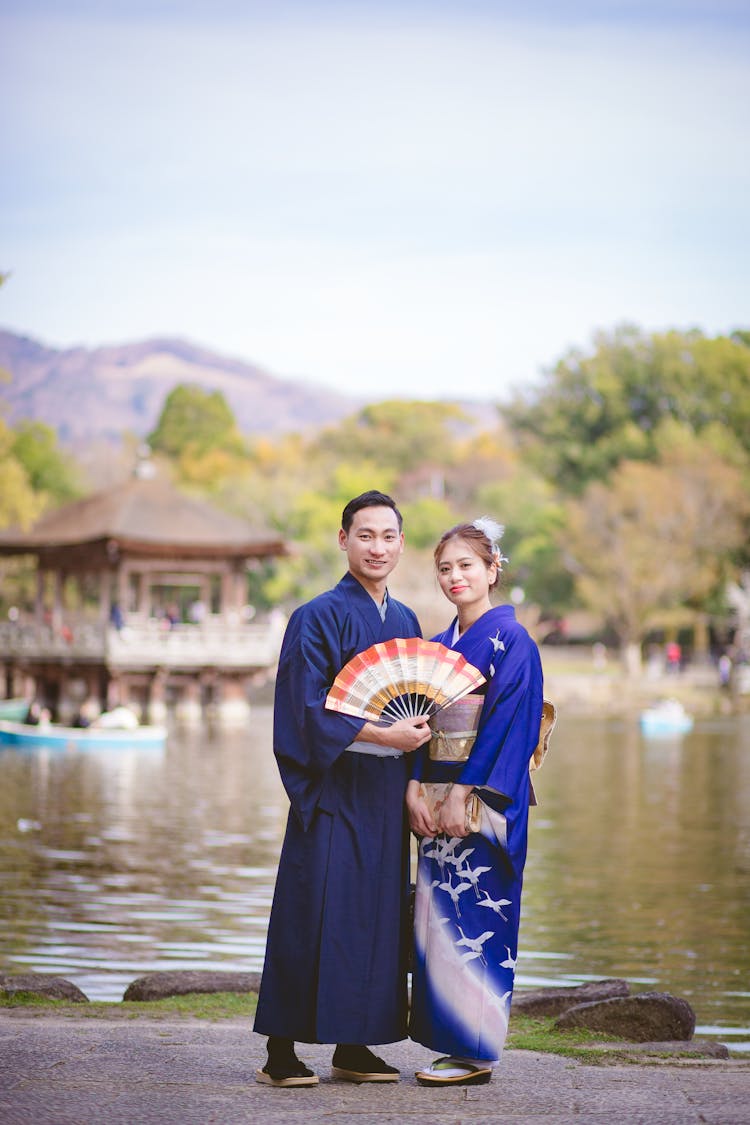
[{"x": 464, "y": 577}]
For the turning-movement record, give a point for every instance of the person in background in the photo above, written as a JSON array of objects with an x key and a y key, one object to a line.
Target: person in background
[
  {"x": 468, "y": 893},
  {"x": 673, "y": 653},
  {"x": 338, "y": 938}
]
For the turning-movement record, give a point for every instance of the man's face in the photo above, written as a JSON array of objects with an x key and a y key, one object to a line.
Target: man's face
[{"x": 373, "y": 544}]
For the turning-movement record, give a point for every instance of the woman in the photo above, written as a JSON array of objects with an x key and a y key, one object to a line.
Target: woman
[{"x": 469, "y": 883}]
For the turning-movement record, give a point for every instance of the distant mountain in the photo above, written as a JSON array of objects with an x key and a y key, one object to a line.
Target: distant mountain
[{"x": 100, "y": 393}]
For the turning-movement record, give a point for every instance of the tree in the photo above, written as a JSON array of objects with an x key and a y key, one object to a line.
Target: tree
[
  {"x": 19, "y": 503},
  {"x": 20, "y": 506},
  {"x": 425, "y": 520},
  {"x": 194, "y": 422},
  {"x": 312, "y": 524},
  {"x": 656, "y": 537},
  {"x": 598, "y": 409},
  {"x": 400, "y": 436},
  {"x": 49, "y": 470},
  {"x": 534, "y": 519}
]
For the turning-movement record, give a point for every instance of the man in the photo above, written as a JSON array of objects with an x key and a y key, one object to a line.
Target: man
[{"x": 336, "y": 956}]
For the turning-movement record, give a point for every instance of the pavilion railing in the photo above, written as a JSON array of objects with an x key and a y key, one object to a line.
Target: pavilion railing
[{"x": 217, "y": 643}]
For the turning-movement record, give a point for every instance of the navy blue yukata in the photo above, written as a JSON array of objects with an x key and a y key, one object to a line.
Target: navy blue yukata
[{"x": 338, "y": 940}]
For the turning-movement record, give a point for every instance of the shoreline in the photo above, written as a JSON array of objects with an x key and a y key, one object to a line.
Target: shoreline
[
  {"x": 608, "y": 1021},
  {"x": 580, "y": 687}
]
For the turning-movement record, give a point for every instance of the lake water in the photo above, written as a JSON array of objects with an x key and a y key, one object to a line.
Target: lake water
[{"x": 121, "y": 862}]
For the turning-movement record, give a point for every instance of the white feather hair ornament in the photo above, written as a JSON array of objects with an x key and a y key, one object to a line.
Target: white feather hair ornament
[{"x": 494, "y": 532}]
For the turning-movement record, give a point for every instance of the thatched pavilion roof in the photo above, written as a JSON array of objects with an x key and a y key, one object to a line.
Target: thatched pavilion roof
[{"x": 141, "y": 517}]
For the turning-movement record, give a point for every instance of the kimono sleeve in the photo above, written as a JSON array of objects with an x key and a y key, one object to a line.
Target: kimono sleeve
[
  {"x": 308, "y": 738},
  {"x": 509, "y": 724},
  {"x": 417, "y": 762}
]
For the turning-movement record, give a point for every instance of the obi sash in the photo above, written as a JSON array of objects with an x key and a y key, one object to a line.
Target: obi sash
[{"x": 454, "y": 729}]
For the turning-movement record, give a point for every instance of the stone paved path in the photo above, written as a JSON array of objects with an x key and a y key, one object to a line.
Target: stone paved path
[{"x": 71, "y": 1071}]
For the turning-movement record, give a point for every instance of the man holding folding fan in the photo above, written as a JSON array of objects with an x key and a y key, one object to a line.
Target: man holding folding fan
[{"x": 338, "y": 938}]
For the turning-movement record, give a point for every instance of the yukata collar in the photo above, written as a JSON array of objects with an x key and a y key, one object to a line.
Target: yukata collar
[
  {"x": 355, "y": 587},
  {"x": 481, "y": 622}
]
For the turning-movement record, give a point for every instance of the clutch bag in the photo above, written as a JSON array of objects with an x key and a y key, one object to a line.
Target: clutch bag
[{"x": 435, "y": 793}]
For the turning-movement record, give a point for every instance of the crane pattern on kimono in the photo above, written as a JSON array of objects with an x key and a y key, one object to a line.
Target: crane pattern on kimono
[
  {"x": 497, "y": 646},
  {"x": 444, "y": 851}
]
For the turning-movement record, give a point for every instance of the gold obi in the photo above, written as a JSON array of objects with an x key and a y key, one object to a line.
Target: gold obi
[{"x": 454, "y": 729}]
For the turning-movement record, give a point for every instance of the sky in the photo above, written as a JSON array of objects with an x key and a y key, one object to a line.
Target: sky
[{"x": 423, "y": 199}]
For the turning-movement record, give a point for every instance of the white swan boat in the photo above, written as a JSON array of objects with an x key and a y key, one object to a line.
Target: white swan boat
[{"x": 666, "y": 717}]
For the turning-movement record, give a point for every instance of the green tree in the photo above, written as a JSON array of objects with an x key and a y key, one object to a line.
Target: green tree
[
  {"x": 195, "y": 422},
  {"x": 312, "y": 524},
  {"x": 19, "y": 503},
  {"x": 20, "y": 506},
  {"x": 401, "y": 436},
  {"x": 534, "y": 519},
  {"x": 595, "y": 410},
  {"x": 49, "y": 469},
  {"x": 425, "y": 520}
]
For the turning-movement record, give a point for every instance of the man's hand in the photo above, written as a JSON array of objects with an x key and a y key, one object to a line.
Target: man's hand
[
  {"x": 452, "y": 815},
  {"x": 406, "y": 734},
  {"x": 420, "y": 820}
]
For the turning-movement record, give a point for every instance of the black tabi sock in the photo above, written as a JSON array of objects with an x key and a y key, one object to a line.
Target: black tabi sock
[
  {"x": 281, "y": 1051},
  {"x": 352, "y": 1056}
]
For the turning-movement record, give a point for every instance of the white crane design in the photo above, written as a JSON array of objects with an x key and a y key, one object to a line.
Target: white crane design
[
  {"x": 475, "y": 944},
  {"x": 497, "y": 646},
  {"x": 442, "y": 850},
  {"x": 472, "y": 874},
  {"x": 509, "y": 962},
  {"x": 454, "y": 892},
  {"x": 496, "y": 904},
  {"x": 457, "y": 860}
]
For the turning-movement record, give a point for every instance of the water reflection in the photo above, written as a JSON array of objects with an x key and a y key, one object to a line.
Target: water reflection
[
  {"x": 144, "y": 859},
  {"x": 639, "y": 861},
  {"x": 119, "y": 862}
]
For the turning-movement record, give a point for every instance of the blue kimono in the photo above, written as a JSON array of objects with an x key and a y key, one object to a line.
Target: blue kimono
[
  {"x": 338, "y": 942},
  {"x": 469, "y": 889}
]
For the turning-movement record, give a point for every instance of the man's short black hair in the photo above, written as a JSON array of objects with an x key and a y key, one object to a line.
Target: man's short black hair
[{"x": 371, "y": 499}]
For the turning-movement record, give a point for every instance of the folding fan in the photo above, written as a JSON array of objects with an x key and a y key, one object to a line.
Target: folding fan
[{"x": 402, "y": 678}]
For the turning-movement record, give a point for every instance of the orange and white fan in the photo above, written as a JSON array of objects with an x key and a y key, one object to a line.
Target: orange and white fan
[{"x": 402, "y": 678}]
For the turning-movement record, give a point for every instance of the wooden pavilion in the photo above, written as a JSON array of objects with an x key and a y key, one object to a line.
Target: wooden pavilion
[{"x": 141, "y": 599}]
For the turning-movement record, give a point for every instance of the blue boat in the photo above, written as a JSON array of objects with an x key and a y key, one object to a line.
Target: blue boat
[
  {"x": 666, "y": 717},
  {"x": 15, "y": 709},
  {"x": 54, "y": 737}
]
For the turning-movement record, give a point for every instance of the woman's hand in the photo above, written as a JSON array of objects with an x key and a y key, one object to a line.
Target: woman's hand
[
  {"x": 405, "y": 734},
  {"x": 420, "y": 820},
  {"x": 452, "y": 815}
]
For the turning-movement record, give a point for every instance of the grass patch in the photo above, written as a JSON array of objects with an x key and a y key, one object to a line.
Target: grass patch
[
  {"x": 26, "y": 1000},
  {"x": 194, "y": 1005},
  {"x": 537, "y": 1033}
]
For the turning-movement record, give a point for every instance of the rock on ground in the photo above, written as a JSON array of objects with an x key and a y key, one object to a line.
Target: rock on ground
[
  {"x": 158, "y": 986},
  {"x": 643, "y": 1018},
  {"x": 553, "y": 1001},
  {"x": 54, "y": 988}
]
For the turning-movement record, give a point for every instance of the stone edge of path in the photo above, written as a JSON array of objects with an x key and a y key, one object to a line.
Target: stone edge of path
[{"x": 537, "y": 1002}]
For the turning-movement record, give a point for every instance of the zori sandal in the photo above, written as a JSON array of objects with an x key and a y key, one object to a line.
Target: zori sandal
[
  {"x": 293, "y": 1074},
  {"x": 448, "y": 1071}
]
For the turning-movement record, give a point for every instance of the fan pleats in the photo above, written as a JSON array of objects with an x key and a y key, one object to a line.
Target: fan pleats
[{"x": 401, "y": 678}]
